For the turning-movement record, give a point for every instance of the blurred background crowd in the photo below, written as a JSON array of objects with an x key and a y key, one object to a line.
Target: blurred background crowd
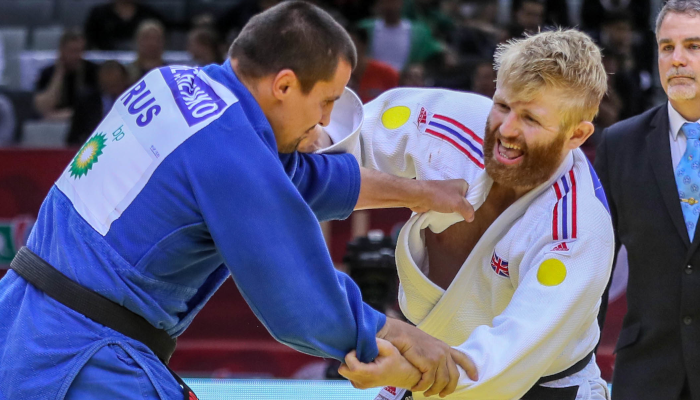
[{"x": 63, "y": 62}]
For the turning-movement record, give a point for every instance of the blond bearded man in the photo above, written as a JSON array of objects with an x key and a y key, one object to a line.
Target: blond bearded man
[{"x": 517, "y": 289}]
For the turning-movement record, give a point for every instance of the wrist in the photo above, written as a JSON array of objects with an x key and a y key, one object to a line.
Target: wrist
[
  {"x": 384, "y": 332},
  {"x": 416, "y": 193}
]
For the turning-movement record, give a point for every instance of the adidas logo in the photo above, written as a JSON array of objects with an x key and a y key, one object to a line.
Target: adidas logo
[{"x": 561, "y": 247}]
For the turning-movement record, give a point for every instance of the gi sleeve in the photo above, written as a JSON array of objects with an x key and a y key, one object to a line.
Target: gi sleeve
[
  {"x": 410, "y": 151},
  {"x": 330, "y": 184},
  {"x": 555, "y": 304},
  {"x": 273, "y": 246}
]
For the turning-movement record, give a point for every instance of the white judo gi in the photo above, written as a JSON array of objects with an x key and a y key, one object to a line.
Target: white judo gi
[{"x": 524, "y": 304}]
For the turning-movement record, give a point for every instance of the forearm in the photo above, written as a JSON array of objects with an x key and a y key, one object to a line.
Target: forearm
[{"x": 381, "y": 190}]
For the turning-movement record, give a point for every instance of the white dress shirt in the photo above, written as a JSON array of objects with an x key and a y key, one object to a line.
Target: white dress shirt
[{"x": 678, "y": 139}]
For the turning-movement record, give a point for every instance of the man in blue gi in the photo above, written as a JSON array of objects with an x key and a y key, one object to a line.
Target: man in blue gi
[{"x": 181, "y": 185}]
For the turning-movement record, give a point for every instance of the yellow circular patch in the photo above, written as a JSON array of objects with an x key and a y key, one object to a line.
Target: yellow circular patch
[
  {"x": 395, "y": 117},
  {"x": 552, "y": 272}
]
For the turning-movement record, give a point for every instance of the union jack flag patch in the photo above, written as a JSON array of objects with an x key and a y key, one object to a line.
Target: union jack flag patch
[{"x": 499, "y": 265}]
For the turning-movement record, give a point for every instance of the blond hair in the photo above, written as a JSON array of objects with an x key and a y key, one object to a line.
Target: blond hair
[{"x": 566, "y": 60}]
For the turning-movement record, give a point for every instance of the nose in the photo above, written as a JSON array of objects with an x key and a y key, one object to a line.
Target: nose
[
  {"x": 509, "y": 127},
  {"x": 326, "y": 116},
  {"x": 679, "y": 57}
]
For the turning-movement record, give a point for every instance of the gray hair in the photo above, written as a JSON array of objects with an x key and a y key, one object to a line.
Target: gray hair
[{"x": 690, "y": 7}]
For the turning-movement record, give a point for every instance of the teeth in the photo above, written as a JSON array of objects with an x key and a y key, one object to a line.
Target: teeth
[{"x": 509, "y": 146}]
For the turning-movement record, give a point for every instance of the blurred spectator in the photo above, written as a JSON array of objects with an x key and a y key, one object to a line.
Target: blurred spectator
[
  {"x": 60, "y": 85},
  {"x": 638, "y": 10},
  {"x": 479, "y": 34},
  {"x": 353, "y": 10},
  {"x": 7, "y": 121},
  {"x": 2, "y": 60},
  {"x": 556, "y": 12},
  {"x": 484, "y": 78},
  {"x": 113, "y": 26},
  {"x": 612, "y": 104},
  {"x": 429, "y": 12},
  {"x": 633, "y": 66},
  {"x": 203, "y": 46},
  {"x": 398, "y": 41},
  {"x": 370, "y": 78},
  {"x": 93, "y": 106},
  {"x": 150, "y": 44},
  {"x": 413, "y": 76},
  {"x": 528, "y": 18},
  {"x": 232, "y": 20}
]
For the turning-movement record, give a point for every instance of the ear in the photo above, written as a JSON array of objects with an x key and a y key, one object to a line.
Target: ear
[
  {"x": 581, "y": 132},
  {"x": 285, "y": 80}
]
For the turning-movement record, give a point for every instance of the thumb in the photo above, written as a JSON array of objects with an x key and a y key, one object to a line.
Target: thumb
[
  {"x": 466, "y": 363},
  {"x": 386, "y": 349},
  {"x": 466, "y": 210}
]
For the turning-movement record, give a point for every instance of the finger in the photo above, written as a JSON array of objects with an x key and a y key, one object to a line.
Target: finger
[
  {"x": 466, "y": 363},
  {"x": 351, "y": 360},
  {"x": 454, "y": 378},
  {"x": 442, "y": 378},
  {"x": 344, "y": 370},
  {"x": 426, "y": 381}
]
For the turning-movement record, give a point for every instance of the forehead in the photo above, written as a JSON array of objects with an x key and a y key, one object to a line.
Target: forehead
[
  {"x": 677, "y": 26},
  {"x": 544, "y": 101},
  {"x": 335, "y": 86}
]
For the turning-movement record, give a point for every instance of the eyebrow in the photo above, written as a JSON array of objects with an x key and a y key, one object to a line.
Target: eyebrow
[{"x": 690, "y": 39}]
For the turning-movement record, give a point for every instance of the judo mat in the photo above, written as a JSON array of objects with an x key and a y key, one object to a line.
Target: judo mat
[{"x": 277, "y": 389}]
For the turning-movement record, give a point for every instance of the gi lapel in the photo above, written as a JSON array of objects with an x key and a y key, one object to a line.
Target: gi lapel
[
  {"x": 442, "y": 314},
  {"x": 659, "y": 149}
]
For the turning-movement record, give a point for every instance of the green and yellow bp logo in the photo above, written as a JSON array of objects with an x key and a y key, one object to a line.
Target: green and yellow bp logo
[{"x": 87, "y": 155}]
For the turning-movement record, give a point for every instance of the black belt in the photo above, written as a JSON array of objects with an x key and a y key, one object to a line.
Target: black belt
[
  {"x": 538, "y": 392},
  {"x": 96, "y": 307},
  {"x": 578, "y": 367}
]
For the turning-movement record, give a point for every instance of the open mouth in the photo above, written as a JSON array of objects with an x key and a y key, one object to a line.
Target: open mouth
[{"x": 507, "y": 153}]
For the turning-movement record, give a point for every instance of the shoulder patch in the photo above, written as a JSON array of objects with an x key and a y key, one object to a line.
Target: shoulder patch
[
  {"x": 564, "y": 214},
  {"x": 552, "y": 272},
  {"x": 499, "y": 266}
]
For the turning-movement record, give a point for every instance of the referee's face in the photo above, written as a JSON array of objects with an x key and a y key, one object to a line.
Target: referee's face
[{"x": 678, "y": 42}]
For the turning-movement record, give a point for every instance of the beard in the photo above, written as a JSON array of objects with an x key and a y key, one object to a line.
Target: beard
[
  {"x": 536, "y": 167},
  {"x": 682, "y": 90}
]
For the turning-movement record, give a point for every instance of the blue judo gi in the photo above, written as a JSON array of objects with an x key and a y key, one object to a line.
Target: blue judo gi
[{"x": 179, "y": 187}]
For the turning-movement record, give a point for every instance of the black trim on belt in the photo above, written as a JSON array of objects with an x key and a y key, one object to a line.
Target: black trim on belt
[{"x": 92, "y": 304}]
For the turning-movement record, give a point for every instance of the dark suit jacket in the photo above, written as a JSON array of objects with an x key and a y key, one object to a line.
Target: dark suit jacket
[{"x": 659, "y": 346}]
